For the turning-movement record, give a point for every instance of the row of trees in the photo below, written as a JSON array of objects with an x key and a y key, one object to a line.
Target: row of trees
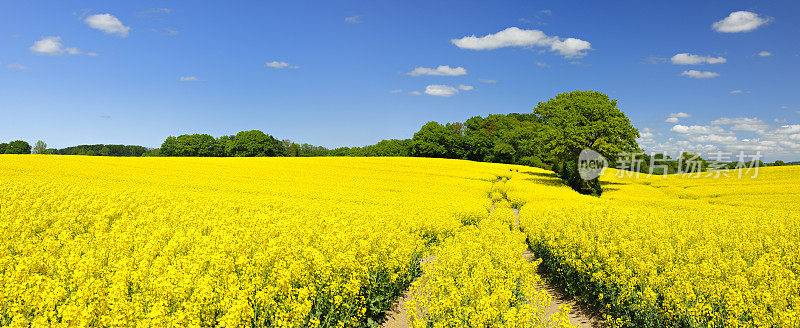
[
  {"x": 243, "y": 144},
  {"x": 15, "y": 147}
]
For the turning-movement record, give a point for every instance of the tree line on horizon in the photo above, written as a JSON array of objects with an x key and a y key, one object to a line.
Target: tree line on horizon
[{"x": 550, "y": 137}]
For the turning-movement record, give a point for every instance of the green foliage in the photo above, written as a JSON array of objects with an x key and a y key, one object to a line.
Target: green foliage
[
  {"x": 435, "y": 140},
  {"x": 581, "y": 120},
  {"x": 39, "y": 147},
  {"x": 103, "y": 150},
  {"x": 779, "y": 163},
  {"x": 202, "y": 145},
  {"x": 254, "y": 143},
  {"x": 17, "y": 147}
]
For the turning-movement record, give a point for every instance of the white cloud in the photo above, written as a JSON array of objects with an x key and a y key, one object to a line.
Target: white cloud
[
  {"x": 108, "y": 24},
  {"x": 516, "y": 37},
  {"x": 787, "y": 129},
  {"x": 440, "y": 90},
  {"x": 16, "y": 66},
  {"x": 353, "y": 19},
  {"x": 92, "y": 54},
  {"x": 675, "y": 117},
  {"x": 714, "y": 138},
  {"x": 743, "y": 124},
  {"x": 736, "y": 92},
  {"x": 396, "y": 91},
  {"x": 691, "y": 59},
  {"x": 697, "y": 129},
  {"x": 737, "y": 120},
  {"x": 541, "y": 64},
  {"x": 190, "y": 79},
  {"x": 646, "y": 133},
  {"x": 279, "y": 65},
  {"x": 699, "y": 74},
  {"x": 52, "y": 46},
  {"x": 465, "y": 87},
  {"x": 416, "y": 93},
  {"x": 487, "y": 81},
  {"x": 765, "y": 54},
  {"x": 740, "y": 21},
  {"x": 442, "y": 70}
]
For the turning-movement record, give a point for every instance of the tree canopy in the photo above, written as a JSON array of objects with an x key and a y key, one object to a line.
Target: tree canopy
[
  {"x": 15, "y": 147},
  {"x": 581, "y": 120}
]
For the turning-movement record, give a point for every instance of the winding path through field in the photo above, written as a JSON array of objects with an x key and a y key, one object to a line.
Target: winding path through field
[{"x": 397, "y": 318}]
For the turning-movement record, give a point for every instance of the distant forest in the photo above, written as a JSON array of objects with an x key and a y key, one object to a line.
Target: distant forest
[
  {"x": 512, "y": 139},
  {"x": 550, "y": 137}
]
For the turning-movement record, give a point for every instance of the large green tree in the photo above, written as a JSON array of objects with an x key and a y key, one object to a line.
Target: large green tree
[
  {"x": 18, "y": 147},
  {"x": 40, "y": 147},
  {"x": 254, "y": 143},
  {"x": 580, "y": 120},
  {"x": 436, "y": 140}
]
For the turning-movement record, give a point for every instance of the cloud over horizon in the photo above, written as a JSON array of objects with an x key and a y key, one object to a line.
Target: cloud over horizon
[
  {"x": 516, "y": 37},
  {"x": 109, "y": 24}
]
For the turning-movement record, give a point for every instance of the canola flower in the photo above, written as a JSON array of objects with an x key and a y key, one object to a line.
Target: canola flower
[
  {"x": 479, "y": 278},
  {"x": 280, "y": 242},
  {"x": 671, "y": 252}
]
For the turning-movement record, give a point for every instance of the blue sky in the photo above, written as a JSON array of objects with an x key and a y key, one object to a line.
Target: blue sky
[{"x": 720, "y": 75}]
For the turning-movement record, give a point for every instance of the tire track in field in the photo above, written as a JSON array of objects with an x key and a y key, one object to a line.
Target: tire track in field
[{"x": 578, "y": 315}]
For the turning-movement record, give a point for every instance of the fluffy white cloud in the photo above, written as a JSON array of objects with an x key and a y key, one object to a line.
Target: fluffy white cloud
[
  {"x": 279, "y": 65},
  {"x": 691, "y": 59},
  {"x": 646, "y": 133},
  {"x": 765, "y": 54},
  {"x": 737, "y": 120},
  {"x": 699, "y": 74},
  {"x": 442, "y": 70},
  {"x": 697, "y": 129},
  {"x": 440, "y": 90},
  {"x": 416, "y": 93},
  {"x": 733, "y": 135},
  {"x": 541, "y": 64},
  {"x": 465, "y": 87},
  {"x": 740, "y": 21},
  {"x": 743, "y": 124},
  {"x": 52, "y": 46},
  {"x": 189, "y": 79},
  {"x": 787, "y": 129},
  {"x": 516, "y": 37},
  {"x": 736, "y": 92},
  {"x": 108, "y": 24},
  {"x": 714, "y": 138},
  {"x": 675, "y": 117},
  {"x": 396, "y": 91},
  {"x": 487, "y": 81}
]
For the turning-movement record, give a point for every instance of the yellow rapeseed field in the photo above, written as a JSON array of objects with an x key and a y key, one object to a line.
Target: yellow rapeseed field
[
  {"x": 283, "y": 242},
  {"x": 331, "y": 242},
  {"x": 672, "y": 252}
]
